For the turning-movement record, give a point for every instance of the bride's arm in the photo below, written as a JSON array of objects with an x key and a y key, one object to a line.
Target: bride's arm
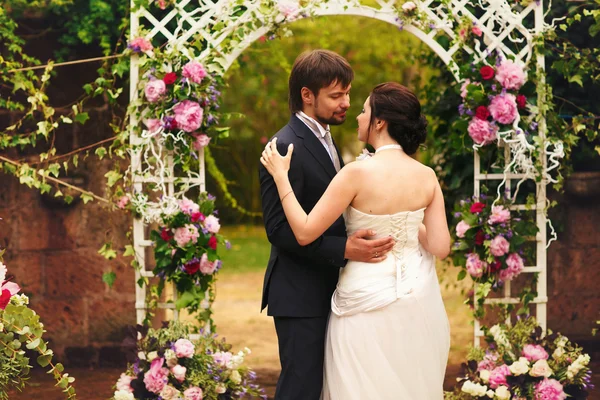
[
  {"x": 436, "y": 237},
  {"x": 339, "y": 194}
]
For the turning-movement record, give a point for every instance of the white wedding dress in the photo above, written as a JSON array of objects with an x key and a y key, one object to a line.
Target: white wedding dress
[{"x": 388, "y": 334}]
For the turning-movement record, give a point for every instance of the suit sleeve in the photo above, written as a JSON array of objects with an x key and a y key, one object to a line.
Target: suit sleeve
[{"x": 328, "y": 249}]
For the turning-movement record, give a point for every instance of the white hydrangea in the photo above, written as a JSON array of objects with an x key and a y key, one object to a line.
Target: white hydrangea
[
  {"x": 236, "y": 377},
  {"x": 474, "y": 389},
  {"x": 123, "y": 395},
  {"x": 499, "y": 336},
  {"x": 484, "y": 374},
  {"x": 19, "y": 300},
  {"x": 578, "y": 365}
]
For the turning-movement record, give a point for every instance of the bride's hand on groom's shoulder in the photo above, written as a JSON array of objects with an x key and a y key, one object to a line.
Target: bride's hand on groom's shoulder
[
  {"x": 360, "y": 248},
  {"x": 277, "y": 165}
]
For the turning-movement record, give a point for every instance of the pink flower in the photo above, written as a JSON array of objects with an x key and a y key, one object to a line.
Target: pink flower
[
  {"x": 481, "y": 131},
  {"x": 476, "y": 31},
  {"x": 534, "y": 352},
  {"x": 154, "y": 90},
  {"x": 549, "y": 389},
  {"x": 194, "y": 71},
  {"x": 184, "y": 348},
  {"x": 475, "y": 266},
  {"x": 463, "y": 88},
  {"x": 498, "y": 376},
  {"x": 188, "y": 115},
  {"x": 515, "y": 263},
  {"x": 179, "y": 372},
  {"x": 7, "y": 290},
  {"x": 188, "y": 207},
  {"x": 140, "y": 44},
  {"x": 155, "y": 378},
  {"x": 207, "y": 267},
  {"x": 541, "y": 368},
  {"x": 186, "y": 234},
  {"x": 488, "y": 362},
  {"x": 123, "y": 201},
  {"x": 504, "y": 108},
  {"x": 499, "y": 215},
  {"x": 499, "y": 246},
  {"x": 211, "y": 223},
  {"x": 201, "y": 141},
  {"x": 222, "y": 358},
  {"x": 511, "y": 75},
  {"x": 124, "y": 383},
  {"x": 461, "y": 228},
  {"x": 152, "y": 124},
  {"x": 193, "y": 393},
  {"x": 290, "y": 9}
]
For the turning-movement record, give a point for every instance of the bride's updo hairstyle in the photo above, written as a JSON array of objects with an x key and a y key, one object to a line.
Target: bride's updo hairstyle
[{"x": 399, "y": 107}]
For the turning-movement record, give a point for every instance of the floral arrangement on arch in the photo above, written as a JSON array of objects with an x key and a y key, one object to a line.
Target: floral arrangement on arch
[
  {"x": 488, "y": 242},
  {"x": 165, "y": 364},
  {"x": 21, "y": 330},
  {"x": 492, "y": 99},
  {"x": 185, "y": 251},
  {"x": 178, "y": 99},
  {"x": 521, "y": 363}
]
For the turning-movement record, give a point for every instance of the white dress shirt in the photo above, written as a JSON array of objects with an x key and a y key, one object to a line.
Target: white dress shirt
[{"x": 316, "y": 128}]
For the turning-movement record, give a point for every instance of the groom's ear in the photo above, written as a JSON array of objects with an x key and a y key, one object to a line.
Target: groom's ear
[{"x": 307, "y": 95}]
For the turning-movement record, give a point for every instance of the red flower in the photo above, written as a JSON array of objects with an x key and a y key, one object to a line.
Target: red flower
[
  {"x": 487, "y": 72},
  {"x": 192, "y": 267},
  {"x": 262, "y": 39},
  {"x": 495, "y": 266},
  {"x": 165, "y": 235},
  {"x": 170, "y": 78},
  {"x": 479, "y": 238},
  {"x": 212, "y": 242},
  {"x": 198, "y": 216},
  {"x": 477, "y": 207},
  {"x": 4, "y": 299},
  {"x": 521, "y": 101},
  {"x": 482, "y": 112}
]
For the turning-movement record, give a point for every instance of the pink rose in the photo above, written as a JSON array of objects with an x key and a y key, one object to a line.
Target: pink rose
[
  {"x": 123, "y": 201},
  {"x": 154, "y": 90},
  {"x": 463, "y": 88},
  {"x": 140, "y": 44},
  {"x": 179, "y": 372},
  {"x": 201, "y": 141},
  {"x": 549, "y": 389},
  {"x": 290, "y": 9},
  {"x": 124, "y": 383},
  {"x": 476, "y": 31},
  {"x": 193, "y": 393},
  {"x": 461, "y": 228},
  {"x": 155, "y": 378},
  {"x": 153, "y": 125},
  {"x": 207, "y": 267},
  {"x": 481, "y": 131},
  {"x": 188, "y": 115},
  {"x": 498, "y": 376},
  {"x": 184, "y": 348},
  {"x": 534, "y": 352},
  {"x": 515, "y": 263},
  {"x": 194, "y": 71},
  {"x": 511, "y": 75},
  {"x": 475, "y": 266},
  {"x": 504, "y": 108},
  {"x": 188, "y": 207},
  {"x": 222, "y": 358},
  {"x": 211, "y": 223},
  {"x": 499, "y": 246},
  {"x": 186, "y": 234},
  {"x": 499, "y": 215}
]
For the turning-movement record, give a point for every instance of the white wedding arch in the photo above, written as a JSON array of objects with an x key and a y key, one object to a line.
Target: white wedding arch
[{"x": 225, "y": 28}]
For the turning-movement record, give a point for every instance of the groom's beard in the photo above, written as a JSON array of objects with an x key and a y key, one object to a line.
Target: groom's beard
[{"x": 337, "y": 118}]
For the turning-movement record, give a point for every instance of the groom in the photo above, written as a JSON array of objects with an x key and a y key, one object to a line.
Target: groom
[{"x": 300, "y": 280}]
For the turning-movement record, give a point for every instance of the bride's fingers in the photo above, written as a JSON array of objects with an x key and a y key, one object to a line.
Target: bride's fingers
[{"x": 290, "y": 151}]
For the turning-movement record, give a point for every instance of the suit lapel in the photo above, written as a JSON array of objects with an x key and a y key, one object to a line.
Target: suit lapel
[{"x": 313, "y": 145}]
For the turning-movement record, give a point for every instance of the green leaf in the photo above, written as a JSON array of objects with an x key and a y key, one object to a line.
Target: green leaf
[
  {"x": 100, "y": 152},
  {"x": 461, "y": 275},
  {"x": 44, "y": 360},
  {"x": 86, "y": 197},
  {"x": 113, "y": 177},
  {"x": 576, "y": 79},
  {"x": 107, "y": 251},
  {"x": 129, "y": 251},
  {"x": 184, "y": 300},
  {"x": 33, "y": 344},
  {"x": 82, "y": 118},
  {"x": 109, "y": 278}
]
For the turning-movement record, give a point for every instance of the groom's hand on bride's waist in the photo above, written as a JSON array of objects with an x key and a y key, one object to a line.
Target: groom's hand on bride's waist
[{"x": 360, "y": 248}]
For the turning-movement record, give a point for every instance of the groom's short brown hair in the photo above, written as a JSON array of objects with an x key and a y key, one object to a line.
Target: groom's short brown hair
[{"x": 315, "y": 70}]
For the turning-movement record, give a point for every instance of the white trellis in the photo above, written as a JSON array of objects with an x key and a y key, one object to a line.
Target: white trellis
[{"x": 502, "y": 27}]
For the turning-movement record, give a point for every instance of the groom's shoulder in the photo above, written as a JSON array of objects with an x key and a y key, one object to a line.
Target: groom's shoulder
[{"x": 286, "y": 135}]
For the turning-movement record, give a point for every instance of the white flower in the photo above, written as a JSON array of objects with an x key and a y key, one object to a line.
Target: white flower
[
  {"x": 484, "y": 374},
  {"x": 558, "y": 353},
  {"x": 409, "y": 6},
  {"x": 142, "y": 355},
  {"x": 574, "y": 368},
  {"x": 220, "y": 388},
  {"x": 170, "y": 393},
  {"x": 123, "y": 395},
  {"x": 499, "y": 336},
  {"x": 247, "y": 350},
  {"x": 502, "y": 393},
  {"x": 205, "y": 304},
  {"x": 1, "y": 326},
  {"x": 490, "y": 394},
  {"x": 541, "y": 368},
  {"x": 236, "y": 377},
  {"x": 364, "y": 155},
  {"x": 152, "y": 355},
  {"x": 290, "y": 9},
  {"x": 171, "y": 358},
  {"x": 519, "y": 367},
  {"x": 236, "y": 360},
  {"x": 2, "y": 272},
  {"x": 474, "y": 389}
]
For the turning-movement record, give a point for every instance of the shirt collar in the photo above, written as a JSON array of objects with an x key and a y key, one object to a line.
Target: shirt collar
[{"x": 314, "y": 126}]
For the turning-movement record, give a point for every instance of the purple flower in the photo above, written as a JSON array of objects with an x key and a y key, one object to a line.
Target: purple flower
[
  {"x": 211, "y": 197},
  {"x": 228, "y": 245}
]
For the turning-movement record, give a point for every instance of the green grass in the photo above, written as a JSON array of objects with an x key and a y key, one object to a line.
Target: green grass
[{"x": 249, "y": 249}]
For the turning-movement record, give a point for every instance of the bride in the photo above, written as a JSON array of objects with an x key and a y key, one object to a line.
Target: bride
[{"x": 388, "y": 335}]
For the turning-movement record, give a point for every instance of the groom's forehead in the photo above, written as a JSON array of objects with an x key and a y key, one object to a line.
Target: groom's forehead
[{"x": 336, "y": 87}]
